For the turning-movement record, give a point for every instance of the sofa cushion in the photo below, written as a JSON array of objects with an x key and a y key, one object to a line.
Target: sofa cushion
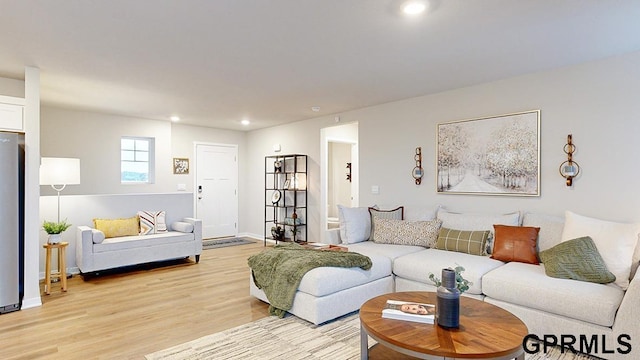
[
  {"x": 615, "y": 241},
  {"x": 137, "y": 241},
  {"x": 417, "y": 266},
  {"x": 551, "y": 226},
  {"x": 355, "y": 224},
  {"x": 421, "y": 212},
  {"x": 515, "y": 243},
  {"x": 405, "y": 232},
  {"x": 323, "y": 281},
  {"x": 470, "y": 242},
  {"x": 527, "y": 285},
  {"x": 117, "y": 227},
  {"x": 473, "y": 221},
  {"x": 391, "y": 251},
  {"x": 576, "y": 259}
]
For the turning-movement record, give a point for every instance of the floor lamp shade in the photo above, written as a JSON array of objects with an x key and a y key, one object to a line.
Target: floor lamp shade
[{"x": 59, "y": 171}]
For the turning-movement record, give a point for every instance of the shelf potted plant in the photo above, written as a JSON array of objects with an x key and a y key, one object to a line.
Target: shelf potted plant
[{"x": 55, "y": 230}]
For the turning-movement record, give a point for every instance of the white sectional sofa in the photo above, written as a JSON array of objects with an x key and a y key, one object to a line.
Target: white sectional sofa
[
  {"x": 94, "y": 252},
  {"x": 601, "y": 319}
]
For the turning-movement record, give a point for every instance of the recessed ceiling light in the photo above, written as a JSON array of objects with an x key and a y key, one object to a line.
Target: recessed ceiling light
[
  {"x": 245, "y": 122},
  {"x": 315, "y": 108},
  {"x": 175, "y": 118},
  {"x": 414, "y": 7}
]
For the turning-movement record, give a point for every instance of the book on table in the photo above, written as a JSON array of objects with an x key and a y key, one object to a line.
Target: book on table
[{"x": 409, "y": 311}]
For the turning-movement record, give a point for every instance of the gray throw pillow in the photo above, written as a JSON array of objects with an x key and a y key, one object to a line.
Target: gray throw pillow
[{"x": 576, "y": 259}]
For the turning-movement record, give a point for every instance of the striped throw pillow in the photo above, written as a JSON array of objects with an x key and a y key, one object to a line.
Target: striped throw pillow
[{"x": 152, "y": 222}]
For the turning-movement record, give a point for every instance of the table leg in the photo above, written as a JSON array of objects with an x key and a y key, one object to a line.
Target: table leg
[
  {"x": 62, "y": 267},
  {"x": 364, "y": 344},
  {"x": 47, "y": 273}
]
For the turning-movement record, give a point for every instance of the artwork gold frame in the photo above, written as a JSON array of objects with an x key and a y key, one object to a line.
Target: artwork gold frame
[
  {"x": 497, "y": 155},
  {"x": 181, "y": 166}
]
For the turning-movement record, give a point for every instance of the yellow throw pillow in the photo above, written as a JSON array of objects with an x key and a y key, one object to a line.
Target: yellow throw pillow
[{"x": 118, "y": 227}]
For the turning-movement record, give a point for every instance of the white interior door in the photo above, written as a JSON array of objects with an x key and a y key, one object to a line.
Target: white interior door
[{"x": 217, "y": 189}]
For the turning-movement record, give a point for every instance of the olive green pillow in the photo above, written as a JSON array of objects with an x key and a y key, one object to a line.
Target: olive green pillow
[
  {"x": 576, "y": 259},
  {"x": 470, "y": 242}
]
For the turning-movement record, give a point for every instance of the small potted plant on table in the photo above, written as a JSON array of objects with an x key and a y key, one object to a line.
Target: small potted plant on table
[{"x": 55, "y": 229}]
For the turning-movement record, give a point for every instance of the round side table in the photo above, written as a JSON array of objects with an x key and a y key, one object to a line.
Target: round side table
[
  {"x": 61, "y": 274},
  {"x": 486, "y": 331}
]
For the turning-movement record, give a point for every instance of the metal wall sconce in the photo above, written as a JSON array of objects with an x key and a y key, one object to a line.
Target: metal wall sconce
[
  {"x": 349, "y": 173},
  {"x": 417, "y": 172},
  {"x": 569, "y": 169}
]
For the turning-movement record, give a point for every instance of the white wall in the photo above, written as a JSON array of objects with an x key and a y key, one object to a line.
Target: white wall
[
  {"x": 596, "y": 102},
  {"x": 11, "y": 87},
  {"x": 95, "y": 139}
]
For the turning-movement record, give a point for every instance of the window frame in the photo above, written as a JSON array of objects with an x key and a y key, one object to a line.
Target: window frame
[{"x": 150, "y": 159}]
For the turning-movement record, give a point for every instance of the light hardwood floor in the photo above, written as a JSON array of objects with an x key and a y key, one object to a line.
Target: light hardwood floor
[{"x": 128, "y": 315}]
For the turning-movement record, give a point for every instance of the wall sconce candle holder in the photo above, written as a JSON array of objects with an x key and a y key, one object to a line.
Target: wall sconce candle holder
[
  {"x": 569, "y": 169},
  {"x": 417, "y": 171}
]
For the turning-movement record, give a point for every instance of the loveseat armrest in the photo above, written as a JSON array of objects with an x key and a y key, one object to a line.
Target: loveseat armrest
[
  {"x": 84, "y": 248},
  {"x": 197, "y": 232}
]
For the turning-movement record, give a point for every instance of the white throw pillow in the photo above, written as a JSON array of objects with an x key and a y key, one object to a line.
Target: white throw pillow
[
  {"x": 476, "y": 221},
  {"x": 616, "y": 242},
  {"x": 355, "y": 224},
  {"x": 635, "y": 261},
  {"x": 182, "y": 226},
  {"x": 551, "y": 227}
]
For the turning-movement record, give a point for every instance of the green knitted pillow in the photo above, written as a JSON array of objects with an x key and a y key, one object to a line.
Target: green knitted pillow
[{"x": 576, "y": 259}]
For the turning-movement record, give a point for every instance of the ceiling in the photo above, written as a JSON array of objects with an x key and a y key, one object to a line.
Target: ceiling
[{"x": 217, "y": 62}]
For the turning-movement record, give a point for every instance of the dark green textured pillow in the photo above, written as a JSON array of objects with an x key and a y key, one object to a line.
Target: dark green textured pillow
[
  {"x": 470, "y": 242},
  {"x": 576, "y": 259}
]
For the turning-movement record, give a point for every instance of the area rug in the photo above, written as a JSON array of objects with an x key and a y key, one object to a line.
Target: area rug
[
  {"x": 293, "y": 338},
  {"x": 218, "y": 243}
]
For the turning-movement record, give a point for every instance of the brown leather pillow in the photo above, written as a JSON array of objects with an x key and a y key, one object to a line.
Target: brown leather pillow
[{"x": 515, "y": 243}]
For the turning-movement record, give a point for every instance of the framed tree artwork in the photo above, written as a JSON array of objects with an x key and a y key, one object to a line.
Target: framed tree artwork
[
  {"x": 180, "y": 165},
  {"x": 498, "y": 155}
]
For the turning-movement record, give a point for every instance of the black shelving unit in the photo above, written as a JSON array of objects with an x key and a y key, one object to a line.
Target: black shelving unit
[{"x": 285, "y": 198}]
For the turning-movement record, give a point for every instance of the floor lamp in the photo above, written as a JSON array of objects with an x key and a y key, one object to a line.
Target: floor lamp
[{"x": 59, "y": 172}]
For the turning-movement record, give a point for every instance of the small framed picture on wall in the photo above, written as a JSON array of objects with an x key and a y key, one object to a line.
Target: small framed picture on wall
[{"x": 180, "y": 165}]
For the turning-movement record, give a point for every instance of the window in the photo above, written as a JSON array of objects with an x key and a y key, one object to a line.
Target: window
[{"x": 137, "y": 160}]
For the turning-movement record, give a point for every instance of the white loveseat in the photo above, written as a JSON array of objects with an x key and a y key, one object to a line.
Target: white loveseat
[
  {"x": 602, "y": 319},
  {"x": 94, "y": 252}
]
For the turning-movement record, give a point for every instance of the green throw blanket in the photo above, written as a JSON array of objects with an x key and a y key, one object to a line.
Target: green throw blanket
[{"x": 278, "y": 271}]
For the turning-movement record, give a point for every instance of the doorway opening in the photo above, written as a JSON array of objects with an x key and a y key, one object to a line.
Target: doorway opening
[{"x": 339, "y": 172}]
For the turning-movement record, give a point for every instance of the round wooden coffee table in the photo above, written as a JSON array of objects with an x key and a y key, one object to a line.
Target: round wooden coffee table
[{"x": 486, "y": 331}]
